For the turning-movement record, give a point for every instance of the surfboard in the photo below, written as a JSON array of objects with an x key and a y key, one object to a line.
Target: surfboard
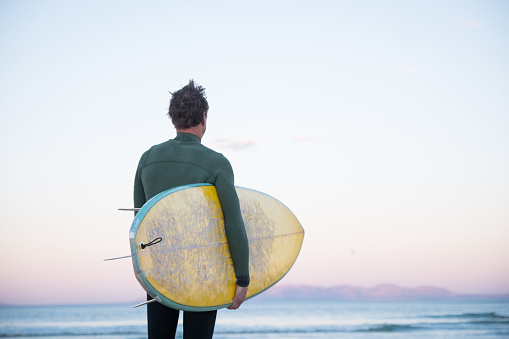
[{"x": 180, "y": 251}]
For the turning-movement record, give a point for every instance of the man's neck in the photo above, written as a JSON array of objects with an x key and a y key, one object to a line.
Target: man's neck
[{"x": 193, "y": 130}]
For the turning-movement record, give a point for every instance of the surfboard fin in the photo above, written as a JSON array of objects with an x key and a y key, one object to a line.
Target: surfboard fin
[
  {"x": 129, "y": 209},
  {"x": 145, "y": 303},
  {"x": 124, "y": 257}
]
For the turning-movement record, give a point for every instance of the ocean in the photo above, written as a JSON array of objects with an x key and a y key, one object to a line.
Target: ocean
[{"x": 273, "y": 319}]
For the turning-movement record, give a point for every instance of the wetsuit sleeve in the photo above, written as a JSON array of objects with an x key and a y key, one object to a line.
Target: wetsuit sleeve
[
  {"x": 139, "y": 191},
  {"x": 234, "y": 224}
]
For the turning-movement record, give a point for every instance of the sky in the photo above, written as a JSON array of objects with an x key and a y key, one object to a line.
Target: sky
[{"x": 383, "y": 125}]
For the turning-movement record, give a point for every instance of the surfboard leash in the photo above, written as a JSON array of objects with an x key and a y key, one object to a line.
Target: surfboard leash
[
  {"x": 153, "y": 242},
  {"x": 142, "y": 245}
]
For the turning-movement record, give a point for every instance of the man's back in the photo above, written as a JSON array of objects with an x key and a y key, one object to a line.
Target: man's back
[{"x": 180, "y": 161}]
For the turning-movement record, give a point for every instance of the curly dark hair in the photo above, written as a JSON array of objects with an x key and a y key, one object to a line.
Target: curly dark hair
[{"x": 187, "y": 106}]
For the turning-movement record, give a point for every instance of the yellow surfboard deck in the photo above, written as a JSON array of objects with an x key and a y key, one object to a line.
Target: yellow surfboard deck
[{"x": 188, "y": 266}]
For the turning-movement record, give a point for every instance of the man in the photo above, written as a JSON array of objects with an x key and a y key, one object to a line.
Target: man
[{"x": 181, "y": 161}]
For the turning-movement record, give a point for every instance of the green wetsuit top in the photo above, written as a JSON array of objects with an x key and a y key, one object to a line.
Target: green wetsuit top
[{"x": 183, "y": 161}]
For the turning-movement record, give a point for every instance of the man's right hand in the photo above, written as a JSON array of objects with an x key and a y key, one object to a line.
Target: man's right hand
[{"x": 239, "y": 298}]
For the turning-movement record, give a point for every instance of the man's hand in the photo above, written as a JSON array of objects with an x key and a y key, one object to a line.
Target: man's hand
[{"x": 240, "y": 296}]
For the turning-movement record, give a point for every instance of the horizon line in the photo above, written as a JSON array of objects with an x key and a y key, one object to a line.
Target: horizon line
[{"x": 132, "y": 302}]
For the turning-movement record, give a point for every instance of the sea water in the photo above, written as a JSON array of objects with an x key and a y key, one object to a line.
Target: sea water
[{"x": 274, "y": 319}]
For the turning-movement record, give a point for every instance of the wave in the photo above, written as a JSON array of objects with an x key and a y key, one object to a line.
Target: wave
[
  {"x": 281, "y": 330},
  {"x": 389, "y": 328},
  {"x": 488, "y": 319},
  {"x": 490, "y": 322},
  {"x": 322, "y": 329},
  {"x": 490, "y": 315},
  {"x": 69, "y": 332}
]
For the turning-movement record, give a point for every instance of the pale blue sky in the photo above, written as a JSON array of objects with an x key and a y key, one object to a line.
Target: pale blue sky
[{"x": 383, "y": 125}]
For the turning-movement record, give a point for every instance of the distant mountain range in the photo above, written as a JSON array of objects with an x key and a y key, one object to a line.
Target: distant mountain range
[{"x": 383, "y": 292}]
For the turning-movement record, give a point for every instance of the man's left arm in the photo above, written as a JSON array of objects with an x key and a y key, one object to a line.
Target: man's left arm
[{"x": 234, "y": 224}]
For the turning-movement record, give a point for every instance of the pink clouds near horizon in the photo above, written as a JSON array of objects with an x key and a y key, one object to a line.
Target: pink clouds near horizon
[
  {"x": 407, "y": 69},
  {"x": 400, "y": 69},
  {"x": 470, "y": 24},
  {"x": 236, "y": 144},
  {"x": 303, "y": 138}
]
